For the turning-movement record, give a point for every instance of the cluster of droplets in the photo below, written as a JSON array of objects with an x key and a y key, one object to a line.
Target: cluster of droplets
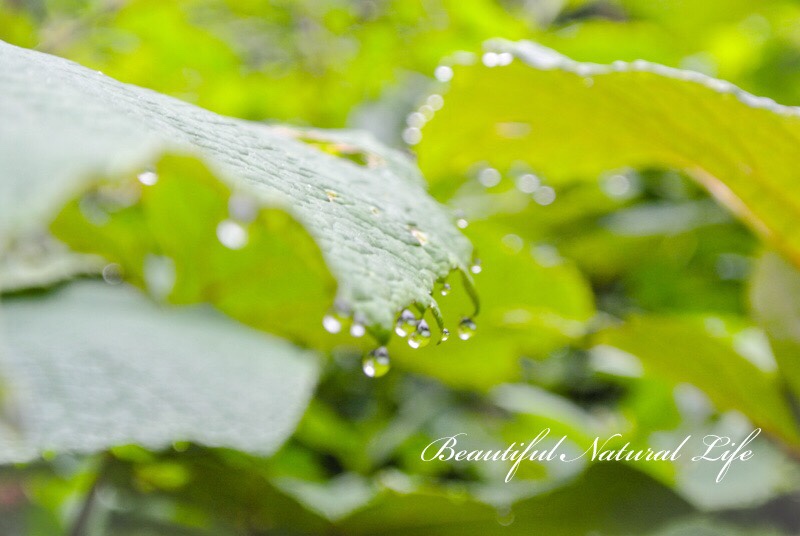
[
  {"x": 525, "y": 181},
  {"x": 412, "y": 134}
]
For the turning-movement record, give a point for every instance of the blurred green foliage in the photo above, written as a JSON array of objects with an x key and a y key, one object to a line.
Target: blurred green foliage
[{"x": 613, "y": 303}]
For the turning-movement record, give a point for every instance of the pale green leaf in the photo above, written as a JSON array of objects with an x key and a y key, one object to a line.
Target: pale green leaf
[
  {"x": 572, "y": 120},
  {"x": 91, "y": 366},
  {"x": 383, "y": 238}
]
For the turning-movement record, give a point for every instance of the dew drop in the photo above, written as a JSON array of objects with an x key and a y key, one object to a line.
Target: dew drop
[
  {"x": 357, "y": 329},
  {"x": 419, "y": 235},
  {"x": 544, "y": 195},
  {"x": 412, "y": 135},
  {"x": 406, "y": 323},
  {"x": 416, "y": 119},
  {"x": 505, "y": 516},
  {"x": 462, "y": 223},
  {"x": 443, "y": 73},
  {"x": 476, "y": 267},
  {"x": 489, "y": 177},
  {"x": 148, "y": 178},
  {"x": 159, "y": 275},
  {"x": 242, "y": 208},
  {"x": 331, "y": 195},
  {"x": 112, "y": 274},
  {"x": 421, "y": 336},
  {"x": 435, "y": 101},
  {"x": 232, "y": 234},
  {"x": 376, "y": 363},
  {"x": 445, "y": 334},
  {"x": 445, "y": 289},
  {"x": 331, "y": 324},
  {"x": 466, "y": 329},
  {"x": 528, "y": 183}
]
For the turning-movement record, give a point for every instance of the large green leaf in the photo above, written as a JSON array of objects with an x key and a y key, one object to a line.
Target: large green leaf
[
  {"x": 686, "y": 350},
  {"x": 384, "y": 239},
  {"x": 575, "y": 120},
  {"x": 93, "y": 366}
]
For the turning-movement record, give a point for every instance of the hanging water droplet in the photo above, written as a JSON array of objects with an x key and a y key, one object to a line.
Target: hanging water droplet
[
  {"x": 232, "y": 234},
  {"x": 112, "y": 274},
  {"x": 528, "y": 183},
  {"x": 159, "y": 275},
  {"x": 357, "y": 329},
  {"x": 435, "y": 101},
  {"x": 148, "y": 178},
  {"x": 421, "y": 336},
  {"x": 406, "y": 323},
  {"x": 462, "y": 223},
  {"x": 376, "y": 363},
  {"x": 466, "y": 329},
  {"x": 489, "y": 177},
  {"x": 476, "y": 266},
  {"x": 331, "y": 324},
  {"x": 544, "y": 195},
  {"x": 505, "y": 516},
  {"x": 445, "y": 334},
  {"x": 445, "y": 289}
]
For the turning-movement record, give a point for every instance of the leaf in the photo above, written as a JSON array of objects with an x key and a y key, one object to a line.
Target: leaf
[
  {"x": 775, "y": 299},
  {"x": 94, "y": 366},
  {"x": 684, "y": 350},
  {"x": 575, "y": 120},
  {"x": 384, "y": 239},
  {"x": 596, "y": 501}
]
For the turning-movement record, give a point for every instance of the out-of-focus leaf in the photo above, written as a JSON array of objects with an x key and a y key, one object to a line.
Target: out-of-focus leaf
[
  {"x": 596, "y": 501},
  {"x": 569, "y": 119},
  {"x": 775, "y": 298},
  {"x": 385, "y": 240},
  {"x": 685, "y": 350},
  {"x": 94, "y": 366}
]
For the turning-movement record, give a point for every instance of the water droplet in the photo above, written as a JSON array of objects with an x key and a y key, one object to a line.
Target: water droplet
[
  {"x": 375, "y": 211},
  {"x": 466, "y": 329},
  {"x": 159, "y": 275},
  {"x": 112, "y": 274},
  {"x": 148, "y": 178},
  {"x": 412, "y": 135},
  {"x": 416, "y": 119},
  {"x": 421, "y": 336},
  {"x": 489, "y": 177},
  {"x": 462, "y": 223},
  {"x": 406, "y": 323},
  {"x": 513, "y": 242},
  {"x": 617, "y": 185},
  {"x": 490, "y": 59},
  {"x": 476, "y": 267},
  {"x": 357, "y": 329},
  {"x": 376, "y": 363},
  {"x": 242, "y": 208},
  {"x": 331, "y": 195},
  {"x": 427, "y": 112},
  {"x": 435, "y": 101},
  {"x": 443, "y": 73},
  {"x": 445, "y": 289},
  {"x": 528, "y": 183},
  {"x": 331, "y": 324},
  {"x": 544, "y": 195},
  {"x": 505, "y": 516},
  {"x": 420, "y": 236},
  {"x": 231, "y": 234},
  {"x": 445, "y": 334}
]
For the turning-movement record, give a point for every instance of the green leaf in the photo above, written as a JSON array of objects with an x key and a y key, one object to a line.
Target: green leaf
[
  {"x": 775, "y": 298},
  {"x": 575, "y": 120},
  {"x": 383, "y": 238},
  {"x": 685, "y": 350},
  {"x": 93, "y": 366},
  {"x": 596, "y": 501}
]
